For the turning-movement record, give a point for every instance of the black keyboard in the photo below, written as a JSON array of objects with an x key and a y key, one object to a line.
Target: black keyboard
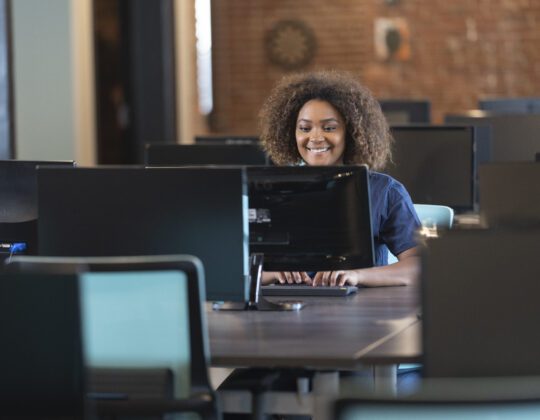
[{"x": 305, "y": 290}]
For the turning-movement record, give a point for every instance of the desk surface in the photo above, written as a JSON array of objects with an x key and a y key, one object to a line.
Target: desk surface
[
  {"x": 333, "y": 333},
  {"x": 405, "y": 347}
]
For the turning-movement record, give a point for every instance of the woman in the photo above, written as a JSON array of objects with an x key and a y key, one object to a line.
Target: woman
[{"x": 329, "y": 118}]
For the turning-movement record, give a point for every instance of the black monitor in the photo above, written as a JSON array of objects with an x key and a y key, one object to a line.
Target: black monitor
[
  {"x": 406, "y": 111},
  {"x": 436, "y": 164},
  {"x": 113, "y": 211},
  {"x": 230, "y": 139},
  {"x": 537, "y": 157},
  {"x": 310, "y": 218},
  {"x": 510, "y": 194},
  {"x": 522, "y": 105},
  {"x": 18, "y": 205},
  {"x": 167, "y": 154},
  {"x": 515, "y": 137}
]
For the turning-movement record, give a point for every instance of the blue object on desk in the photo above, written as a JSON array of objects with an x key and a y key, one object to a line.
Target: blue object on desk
[{"x": 18, "y": 247}]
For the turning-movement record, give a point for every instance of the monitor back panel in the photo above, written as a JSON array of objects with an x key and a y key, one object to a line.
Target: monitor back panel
[
  {"x": 436, "y": 164},
  {"x": 204, "y": 154},
  {"x": 136, "y": 211},
  {"x": 515, "y": 137},
  {"x": 511, "y": 105},
  {"x": 18, "y": 204},
  {"x": 406, "y": 111},
  {"x": 510, "y": 194},
  {"x": 480, "y": 293},
  {"x": 228, "y": 140},
  {"x": 18, "y": 189}
]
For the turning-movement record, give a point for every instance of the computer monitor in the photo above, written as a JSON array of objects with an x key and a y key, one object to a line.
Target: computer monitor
[
  {"x": 230, "y": 139},
  {"x": 510, "y": 194},
  {"x": 310, "y": 218},
  {"x": 406, "y": 111},
  {"x": 480, "y": 307},
  {"x": 18, "y": 205},
  {"x": 510, "y": 105},
  {"x": 167, "y": 154},
  {"x": 514, "y": 136},
  {"x": 436, "y": 164},
  {"x": 122, "y": 211}
]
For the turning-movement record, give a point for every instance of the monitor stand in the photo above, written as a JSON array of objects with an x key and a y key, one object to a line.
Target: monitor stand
[{"x": 257, "y": 302}]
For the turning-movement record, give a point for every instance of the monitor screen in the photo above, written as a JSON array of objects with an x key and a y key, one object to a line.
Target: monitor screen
[
  {"x": 406, "y": 111},
  {"x": 510, "y": 105},
  {"x": 231, "y": 139},
  {"x": 436, "y": 164},
  {"x": 18, "y": 205},
  {"x": 514, "y": 136},
  {"x": 205, "y": 154},
  {"x": 136, "y": 211},
  {"x": 310, "y": 218}
]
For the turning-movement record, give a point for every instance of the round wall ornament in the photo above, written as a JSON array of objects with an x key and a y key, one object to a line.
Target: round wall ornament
[{"x": 290, "y": 44}]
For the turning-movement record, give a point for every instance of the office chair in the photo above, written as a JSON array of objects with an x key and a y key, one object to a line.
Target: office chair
[
  {"x": 143, "y": 322},
  {"x": 438, "y": 216},
  {"x": 42, "y": 373},
  {"x": 433, "y": 218}
]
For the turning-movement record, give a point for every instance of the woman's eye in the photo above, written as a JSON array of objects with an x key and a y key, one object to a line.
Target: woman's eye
[
  {"x": 304, "y": 129},
  {"x": 330, "y": 128}
]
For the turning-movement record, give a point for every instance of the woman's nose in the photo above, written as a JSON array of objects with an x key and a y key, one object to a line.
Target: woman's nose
[{"x": 317, "y": 136}]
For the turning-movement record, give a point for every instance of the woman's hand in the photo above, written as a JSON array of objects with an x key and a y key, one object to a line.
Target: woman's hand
[
  {"x": 285, "y": 277},
  {"x": 405, "y": 272},
  {"x": 336, "y": 278}
]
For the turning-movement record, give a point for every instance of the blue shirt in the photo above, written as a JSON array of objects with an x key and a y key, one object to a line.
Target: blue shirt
[{"x": 393, "y": 218}]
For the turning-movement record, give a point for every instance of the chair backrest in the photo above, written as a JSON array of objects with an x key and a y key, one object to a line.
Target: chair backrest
[
  {"x": 42, "y": 371},
  {"x": 140, "y": 313},
  {"x": 432, "y": 216}
]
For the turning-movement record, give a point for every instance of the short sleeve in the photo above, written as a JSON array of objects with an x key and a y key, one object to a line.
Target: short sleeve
[{"x": 398, "y": 231}]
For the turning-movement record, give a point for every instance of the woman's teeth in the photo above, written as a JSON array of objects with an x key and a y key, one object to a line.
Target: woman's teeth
[{"x": 318, "y": 149}]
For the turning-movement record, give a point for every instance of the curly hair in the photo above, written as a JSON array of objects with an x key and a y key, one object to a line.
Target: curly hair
[{"x": 368, "y": 138}]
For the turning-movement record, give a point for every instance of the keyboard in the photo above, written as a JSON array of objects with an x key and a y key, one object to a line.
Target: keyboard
[{"x": 305, "y": 290}]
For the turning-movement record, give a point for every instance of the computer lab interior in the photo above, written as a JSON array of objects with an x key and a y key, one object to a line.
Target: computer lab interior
[{"x": 139, "y": 210}]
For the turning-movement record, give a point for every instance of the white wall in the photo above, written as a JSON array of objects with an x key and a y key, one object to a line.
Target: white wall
[{"x": 53, "y": 78}]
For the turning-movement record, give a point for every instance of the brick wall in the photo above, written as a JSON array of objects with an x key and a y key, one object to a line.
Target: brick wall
[{"x": 461, "y": 50}]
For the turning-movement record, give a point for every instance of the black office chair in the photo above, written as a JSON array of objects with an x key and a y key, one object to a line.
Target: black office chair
[
  {"x": 42, "y": 374},
  {"x": 144, "y": 333}
]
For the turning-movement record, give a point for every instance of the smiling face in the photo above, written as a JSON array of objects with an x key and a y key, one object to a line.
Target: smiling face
[{"x": 320, "y": 134}]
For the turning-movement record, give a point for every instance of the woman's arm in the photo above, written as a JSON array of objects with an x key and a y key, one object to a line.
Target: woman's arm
[{"x": 403, "y": 273}]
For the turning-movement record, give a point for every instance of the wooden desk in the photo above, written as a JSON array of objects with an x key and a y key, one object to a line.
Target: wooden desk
[
  {"x": 329, "y": 333},
  {"x": 405, "y": 347}
]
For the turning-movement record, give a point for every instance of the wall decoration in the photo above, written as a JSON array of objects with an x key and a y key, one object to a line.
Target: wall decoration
[
  {"x": 392, "y": 39},
  {"x": 290, "y": 44}
]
